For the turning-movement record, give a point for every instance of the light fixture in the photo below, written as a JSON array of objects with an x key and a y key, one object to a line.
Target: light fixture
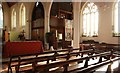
[{"x": 37, "y": 3}]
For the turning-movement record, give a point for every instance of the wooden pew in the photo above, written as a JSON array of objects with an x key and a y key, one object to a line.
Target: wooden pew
[
  {"x": 96, "y": 66},
  {"x": 46, "y": 58},
  {"x": 65, "y": 64},
  {"x": 115, "y": 48},
  {"x": 62, "y": 64},
  {"x": 17, "y": 58},
  {"x": 55, "y": 56}
]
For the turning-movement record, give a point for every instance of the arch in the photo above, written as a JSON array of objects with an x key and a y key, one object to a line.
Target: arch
[
  {"x": 40, "y": 9},
  {"x": 22, "y": 15},
  {"x": 13, "y": 19},
  {"x": 83, "y": 7},
  {"x": 90, "y": 19},
  {"x": 37, "y": 25}
]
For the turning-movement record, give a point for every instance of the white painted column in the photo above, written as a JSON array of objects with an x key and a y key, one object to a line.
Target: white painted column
[
  {"x": 76, "y": 22},
  {"x": 46, "y": 22},
  {"x": 47, "y": 7}
]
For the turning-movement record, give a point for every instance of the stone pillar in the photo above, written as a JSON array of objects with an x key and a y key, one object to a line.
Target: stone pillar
[
  {"x": 76, "y": 24},
  {"x": 47, "y": 8}
]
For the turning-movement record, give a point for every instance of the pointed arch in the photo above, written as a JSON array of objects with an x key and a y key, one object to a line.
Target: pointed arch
[
  {"x": 37, "y": 26},
  {"x": 90, "y": 17},
  {"x": 13, "y": 19},
  {"x": 22, "y": 15}
]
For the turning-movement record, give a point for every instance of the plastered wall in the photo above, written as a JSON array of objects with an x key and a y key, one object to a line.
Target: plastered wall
[
  {"x": 105, "y": 21},
  {"x": 29, "y": 7},
  {"x": 105, "y": 24}
]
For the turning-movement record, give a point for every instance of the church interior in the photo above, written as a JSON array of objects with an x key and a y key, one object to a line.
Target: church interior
[{"x": 59, "y": 37}]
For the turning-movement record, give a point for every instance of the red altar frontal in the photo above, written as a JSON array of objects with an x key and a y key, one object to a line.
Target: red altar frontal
[{"x": 22, "y": 48}]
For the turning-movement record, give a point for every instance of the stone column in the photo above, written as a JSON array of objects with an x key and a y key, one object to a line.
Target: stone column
[
  {"x": 47, "y": 8},
  {"x": 76, "y": 24}
]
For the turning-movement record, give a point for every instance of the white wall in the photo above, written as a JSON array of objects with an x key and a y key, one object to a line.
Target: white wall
[
  {"x": 6, "y": 16},
  {"x": 29, "y": 7},
  {"x": 105, "y": 21},
  {"x": 105, "y": 24}
]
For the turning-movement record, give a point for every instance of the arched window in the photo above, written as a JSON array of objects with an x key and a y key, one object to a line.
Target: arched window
[
  {"x": 1, "y": 16},
  {"x": 90, "y": 20},
  {"x": 23, "y": 15},
  {"x": 13, "y": 18},
  {"x": 116, "y": 30}
]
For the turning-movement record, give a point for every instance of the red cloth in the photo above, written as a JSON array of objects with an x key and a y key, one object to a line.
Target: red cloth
[{"x": 22, "y": 48}]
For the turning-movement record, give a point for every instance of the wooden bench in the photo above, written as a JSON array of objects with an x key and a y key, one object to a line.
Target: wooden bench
[
  {"x": 106, "y": 47},
  {"x": 96, "y": 66},
  {"x": 17, "y": 61},
  {"x": 55, "y": 55},
  {"x": 47, "y": 58},
  {"x": 65, "y": 64}
]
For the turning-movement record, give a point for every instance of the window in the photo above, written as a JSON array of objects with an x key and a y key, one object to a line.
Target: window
[
  {"x": 90, "y": 20},
  {"x": 116, "y": 31},
  {"x": 22, "y": 15},
  {"x": 1, "y": 17},
  {"x": 13, "y": 18}
]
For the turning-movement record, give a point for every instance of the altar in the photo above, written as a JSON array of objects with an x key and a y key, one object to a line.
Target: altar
[{"x": 22, "y": 48}]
